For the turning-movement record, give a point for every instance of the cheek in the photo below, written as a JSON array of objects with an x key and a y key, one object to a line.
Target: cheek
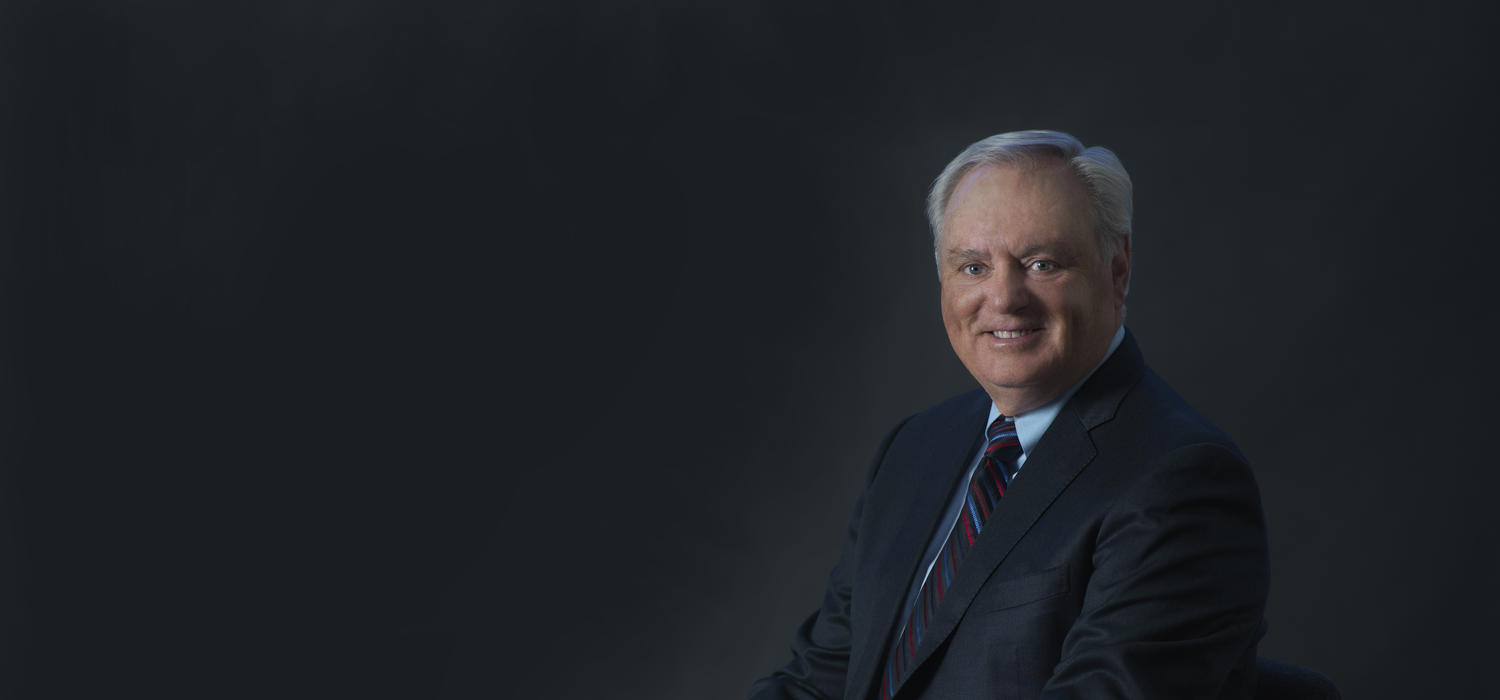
[
  {"x": 950, "y": 303},
  {"x": 1082, "y": 300},
  {"x": 953, "y": 321},
  {"x": 959, "y": 302}
]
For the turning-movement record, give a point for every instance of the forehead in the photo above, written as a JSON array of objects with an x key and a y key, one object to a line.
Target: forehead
[{"x": 1045, "y": 199}]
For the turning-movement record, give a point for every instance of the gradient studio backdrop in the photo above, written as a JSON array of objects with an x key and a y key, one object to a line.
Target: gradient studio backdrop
[{"x": 440, "y": 349}]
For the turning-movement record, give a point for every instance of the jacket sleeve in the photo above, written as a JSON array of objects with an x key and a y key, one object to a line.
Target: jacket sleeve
[
  {"x": 820, "y": 648},
  {"x": 1174, "y": 607}
]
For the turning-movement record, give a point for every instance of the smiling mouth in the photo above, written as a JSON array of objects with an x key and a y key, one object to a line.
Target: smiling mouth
[{"x": 1014, "y": 334}]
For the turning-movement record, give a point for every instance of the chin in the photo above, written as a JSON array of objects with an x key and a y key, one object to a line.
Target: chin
[
  {"x": 1030, "y": 389},
  {"x": 1012, "y": 380}
]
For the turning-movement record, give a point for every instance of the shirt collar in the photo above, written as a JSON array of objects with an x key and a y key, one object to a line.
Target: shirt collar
[{"x": 1032, "y": 424}]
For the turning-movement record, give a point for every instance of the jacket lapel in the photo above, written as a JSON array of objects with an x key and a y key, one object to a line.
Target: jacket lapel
[
  {"x": 1062, "y": 453},
  {"x": 1059, "y": 457},
  {"x": 926, "y": 498}
]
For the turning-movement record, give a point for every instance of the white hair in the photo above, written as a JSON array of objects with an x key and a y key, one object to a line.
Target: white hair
[{"x": 1108, "y": 183}]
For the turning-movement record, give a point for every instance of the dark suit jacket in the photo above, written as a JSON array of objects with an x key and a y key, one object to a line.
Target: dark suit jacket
[{"x": 1127, "y": 560}]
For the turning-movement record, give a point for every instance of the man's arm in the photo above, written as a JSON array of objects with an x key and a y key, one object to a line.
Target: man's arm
[
  {"x": 820, "y": 649},
  {"x": 1175, "y": 606}
]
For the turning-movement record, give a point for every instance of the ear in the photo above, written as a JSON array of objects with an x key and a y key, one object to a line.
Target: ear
[{"x": 1119, "y": 269}]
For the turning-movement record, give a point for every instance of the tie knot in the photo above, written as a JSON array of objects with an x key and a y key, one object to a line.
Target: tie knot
[
  {"x": 1004, "y": 445},
  {"x": 1002, "y": 426}
]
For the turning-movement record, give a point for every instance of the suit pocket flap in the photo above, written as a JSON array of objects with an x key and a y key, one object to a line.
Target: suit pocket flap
[{"x": 1009, "y": 593}]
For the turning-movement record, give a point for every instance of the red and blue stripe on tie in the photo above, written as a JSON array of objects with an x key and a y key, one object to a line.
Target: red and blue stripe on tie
[{"x": 986, "y": 487}]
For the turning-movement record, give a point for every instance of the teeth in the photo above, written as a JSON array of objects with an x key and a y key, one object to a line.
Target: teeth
[{"x": 1008, "y": 334}]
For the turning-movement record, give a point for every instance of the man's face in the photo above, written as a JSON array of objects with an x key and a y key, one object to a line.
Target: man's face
[{"x": 1028, "y": 300}]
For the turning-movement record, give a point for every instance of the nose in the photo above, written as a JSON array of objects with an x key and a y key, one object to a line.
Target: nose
[{"x": 1006, "y": 291}]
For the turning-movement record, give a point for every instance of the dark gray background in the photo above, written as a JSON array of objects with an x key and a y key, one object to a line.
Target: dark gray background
[{"x": 496, "y": 350}]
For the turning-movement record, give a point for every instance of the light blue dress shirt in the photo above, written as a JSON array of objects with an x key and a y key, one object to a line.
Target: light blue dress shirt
[{"x": 1029, "y": 429}]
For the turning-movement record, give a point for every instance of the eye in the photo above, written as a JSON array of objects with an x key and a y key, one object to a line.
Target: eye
[
  {"x": 972, "y": 268},
  {"x": 1043, "y": 265}
]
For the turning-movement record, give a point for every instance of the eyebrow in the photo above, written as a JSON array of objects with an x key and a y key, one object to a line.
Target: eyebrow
[
  {"x": 966, "y": 254},
  {"x": 1054, "y": 249},
  {"x": 1035, "y": 249}
]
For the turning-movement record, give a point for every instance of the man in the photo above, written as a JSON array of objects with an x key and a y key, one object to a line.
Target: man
[{"x": 1073, "y": 529}]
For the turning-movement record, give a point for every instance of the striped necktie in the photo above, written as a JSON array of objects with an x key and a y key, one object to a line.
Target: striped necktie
[{"x": 986, "y": 486}]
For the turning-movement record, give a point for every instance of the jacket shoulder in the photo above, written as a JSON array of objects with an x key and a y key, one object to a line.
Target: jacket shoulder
[
  {"x": 954, "y": 408},
  {"x": 1160, "y": 420}
]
